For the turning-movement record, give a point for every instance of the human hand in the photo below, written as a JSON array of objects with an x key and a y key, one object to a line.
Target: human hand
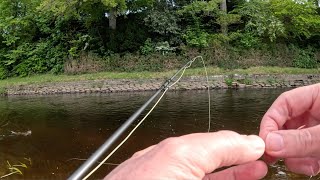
[
  {"x": 196, "y": 156},
  {"x": 291, "y": 130}
]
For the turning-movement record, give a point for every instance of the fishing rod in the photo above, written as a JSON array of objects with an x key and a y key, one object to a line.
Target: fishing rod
[{"x": 84, "y": 168}]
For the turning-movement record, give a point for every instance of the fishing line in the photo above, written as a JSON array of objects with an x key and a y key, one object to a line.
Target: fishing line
[
  {"x": 207, "y": 77},
  {"x": 123, "y": 141},
  {"x": 159, "y": 99},
  {"x": 209, "y": 97},
  {"x": 79, "y": 159}
]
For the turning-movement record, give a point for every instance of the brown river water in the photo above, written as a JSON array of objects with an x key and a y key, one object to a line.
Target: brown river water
[{"x": 68, "y": 128}]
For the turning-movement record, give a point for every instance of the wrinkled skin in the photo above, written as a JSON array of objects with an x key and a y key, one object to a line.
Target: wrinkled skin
[
  {"x": 196, "y": 156},
  {"x": 291, "y": 130}
]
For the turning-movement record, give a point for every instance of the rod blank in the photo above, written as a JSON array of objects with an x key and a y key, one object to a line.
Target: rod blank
[{"x": 84, "y": 168}]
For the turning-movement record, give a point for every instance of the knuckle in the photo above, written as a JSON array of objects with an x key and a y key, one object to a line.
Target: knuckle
[
  {"x": 306, "y": 140},
  {"x": 136, "y": 154},
  {"x": 226, "y": 133},
  {"x": 176, "y": 146},
  {"x": 283, "y": 95}
]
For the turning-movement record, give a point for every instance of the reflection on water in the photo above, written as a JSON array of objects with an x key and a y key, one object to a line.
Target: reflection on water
[{"x": 65, "y": 127}]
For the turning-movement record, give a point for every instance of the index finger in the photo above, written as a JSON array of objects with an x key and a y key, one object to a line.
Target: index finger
[
  {"x": 193, "y": 156},
  {"x": 289, "y": 105}
]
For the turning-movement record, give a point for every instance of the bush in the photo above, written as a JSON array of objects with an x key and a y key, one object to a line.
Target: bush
[
  {"x": 222, "y": 56},
  {"x": 305, "y": 59},
  {"x": 3, "y": 91},
  {"x": 196, "y": 37},
  {"x": 147, "y": 48},
  {"x": 151, "y": 62},
  {"x": 85, "y": 63},
  {"x": 281, "y": 55},
  {"x": 229, "y": 81},
  {"x": 218, "y": 40},
  {"x": 245, "y": 40},
  {"x": 34, "y": 58},
  {"x": 3, "y": 73}
]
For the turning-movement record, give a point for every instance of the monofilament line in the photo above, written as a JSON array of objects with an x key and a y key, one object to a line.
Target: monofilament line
[
  {"x": 132, "y": 131},
  {"x": 164, "y": 92},
  {"x": 209, "y": 97},
  {"x": 127, "y": 137},
  {"x": 208, "y": 87}
]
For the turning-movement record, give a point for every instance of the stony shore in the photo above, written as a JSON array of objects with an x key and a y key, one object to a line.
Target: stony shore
[{"x": 187, "y": 83}]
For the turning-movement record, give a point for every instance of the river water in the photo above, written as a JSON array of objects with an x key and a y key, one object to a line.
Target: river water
[{"x": 67, "y": 128}]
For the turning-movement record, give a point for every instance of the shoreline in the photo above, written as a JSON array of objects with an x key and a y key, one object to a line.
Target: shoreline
[{"x": 234, "y": 81}]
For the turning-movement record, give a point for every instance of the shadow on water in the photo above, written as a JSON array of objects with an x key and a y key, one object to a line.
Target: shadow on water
[{"x": 65, "y": 127}]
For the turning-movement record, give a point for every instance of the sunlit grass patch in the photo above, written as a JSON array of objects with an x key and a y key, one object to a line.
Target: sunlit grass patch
[{"x": 50, "y": 78}]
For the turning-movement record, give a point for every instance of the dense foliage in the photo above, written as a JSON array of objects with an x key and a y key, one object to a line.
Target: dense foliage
[{"x": 75, "y": 36}]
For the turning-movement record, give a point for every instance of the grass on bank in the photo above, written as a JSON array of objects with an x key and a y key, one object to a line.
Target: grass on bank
[{"x": 50, "y": 78}]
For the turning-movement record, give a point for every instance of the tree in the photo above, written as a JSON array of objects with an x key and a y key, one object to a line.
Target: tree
[
  {"x": 114, "y": 8},
  {"x": 260, "y": 20},
  {"x": 223, "y": 7},
  {"x": 16, "y": 20},
  {"x": 300, "y": 20},
  {"x": 164, "y": 23}
]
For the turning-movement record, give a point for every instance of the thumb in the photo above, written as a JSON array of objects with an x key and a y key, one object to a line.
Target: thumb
[
  {"x": 294, "y": 143},
  {"x": 223, "y": 148}
]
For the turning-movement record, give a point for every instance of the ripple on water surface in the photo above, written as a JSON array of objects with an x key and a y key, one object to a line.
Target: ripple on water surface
[{"x": 68, "y": 128}]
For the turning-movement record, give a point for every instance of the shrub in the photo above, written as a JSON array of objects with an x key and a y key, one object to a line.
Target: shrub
[
  {"x": 85, "y": 63},
  {"x": 151, "y": 62},
  {"x": 281, "y": 55},
  {"x": 245, "y": 40},
  {"x": 196, "y": 37},
  {"x": 3, "y": 73},
  {"x": 245, "y": 81},
  {"x": 34, "y": 58},
  {"x": 228, "y": 81},
  {"x": 3, "y": 91},
  {"x": 147, "y": 48},
  {"x": 305, "y": 59}
]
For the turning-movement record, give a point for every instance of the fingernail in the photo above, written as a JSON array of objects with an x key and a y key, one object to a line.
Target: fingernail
[
  {"x": 274, "y": 142},
  {"x": 257, "y": 143}
]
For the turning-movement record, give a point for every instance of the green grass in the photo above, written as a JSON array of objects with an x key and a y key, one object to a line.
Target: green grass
[{"x": 41, "y": 79}]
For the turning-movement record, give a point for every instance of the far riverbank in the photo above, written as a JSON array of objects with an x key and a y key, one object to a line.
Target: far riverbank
[{"x": 194, "y": 82}]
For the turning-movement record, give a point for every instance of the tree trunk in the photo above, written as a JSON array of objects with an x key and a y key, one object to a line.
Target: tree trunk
[
  {"x": 113, "y": 19},
  {"x": 224, "y": 26}
]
